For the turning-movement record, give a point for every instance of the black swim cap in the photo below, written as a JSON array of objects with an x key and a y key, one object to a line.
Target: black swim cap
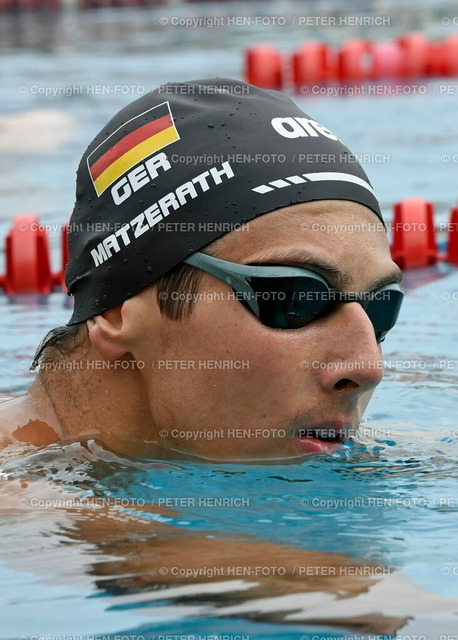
[{"x": 184, "y": 165}]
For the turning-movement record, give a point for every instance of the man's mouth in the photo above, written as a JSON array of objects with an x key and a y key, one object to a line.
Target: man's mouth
[{"x": 323, "y": 438}]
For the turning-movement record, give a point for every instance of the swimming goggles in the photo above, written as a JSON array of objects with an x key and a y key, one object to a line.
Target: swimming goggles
[{"x": 284, "y": 297}]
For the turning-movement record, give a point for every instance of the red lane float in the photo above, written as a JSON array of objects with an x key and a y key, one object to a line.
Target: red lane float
[
  {"x": 436, "y": 61},
  {"x": 386, "y": 60},
  {"x": 450, "y": 56},
  {"x": 414, "y": 239},
  {"x": 353, "y": 61},
  {"x": 452, "y": 245},
  {"x": 264, "y": 67},
  {"x": 27, "y": 257},
  {"x": 312, "y": 64},
  {"x": 411, "y": 56},
  {"x": 58, "y": 279},
  {"x": 415, "y": 55}
]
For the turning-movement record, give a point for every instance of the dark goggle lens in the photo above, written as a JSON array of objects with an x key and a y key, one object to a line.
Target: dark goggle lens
[
  {"x": 291, "y": 303},
  {"x": 383, "y": 310}
]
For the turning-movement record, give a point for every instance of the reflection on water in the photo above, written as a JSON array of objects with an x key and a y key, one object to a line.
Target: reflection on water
[{"x": 152, "y": 535}]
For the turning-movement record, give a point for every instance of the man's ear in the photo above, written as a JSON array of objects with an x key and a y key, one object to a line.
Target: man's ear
[{"x": 107, "y": 333}]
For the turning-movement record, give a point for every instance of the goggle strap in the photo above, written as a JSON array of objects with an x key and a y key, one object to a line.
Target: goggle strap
[{"x": 211, "y": 266}]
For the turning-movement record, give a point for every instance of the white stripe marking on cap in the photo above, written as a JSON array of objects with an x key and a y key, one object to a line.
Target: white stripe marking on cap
[
  {"x": 280, "y": 183},
  {"x": 336, "y": 176},
  {"x": 332, "y": 176},
  {"x": 263, "y": 188},
  {"x": 296, "y": 179}
]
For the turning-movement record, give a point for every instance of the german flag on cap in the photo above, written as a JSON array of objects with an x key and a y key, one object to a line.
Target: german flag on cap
[{"x": 130, "y": 144}]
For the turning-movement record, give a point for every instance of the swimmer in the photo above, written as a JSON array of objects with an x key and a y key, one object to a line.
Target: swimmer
[
  {"x": 231, "y": 300},
  {"x": 250, "y": 328}
]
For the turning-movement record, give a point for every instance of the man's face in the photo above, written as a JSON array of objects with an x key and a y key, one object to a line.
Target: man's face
[{"x": 223, "y": 386}]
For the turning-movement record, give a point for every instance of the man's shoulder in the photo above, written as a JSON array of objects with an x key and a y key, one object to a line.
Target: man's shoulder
[
  {"x": 12, "y": 416},
  {"x": 5, "y": 430},
  {"x": 22, "y": 421}
]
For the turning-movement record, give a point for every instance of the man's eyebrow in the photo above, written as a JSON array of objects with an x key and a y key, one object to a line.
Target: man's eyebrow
[
  {"x": 393, "y": 278},
  {"x": 337, "y": 278}
]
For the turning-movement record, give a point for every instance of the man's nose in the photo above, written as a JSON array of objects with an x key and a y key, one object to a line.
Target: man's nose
[{"x": 353, "y": 358}]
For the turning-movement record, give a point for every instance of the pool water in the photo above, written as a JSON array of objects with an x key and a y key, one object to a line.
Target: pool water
[{"x": 133, "y": 546}]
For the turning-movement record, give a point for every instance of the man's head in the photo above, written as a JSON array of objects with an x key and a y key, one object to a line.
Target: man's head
[
  {"x": 222, "y": 385},
  {"x": 253, "y": 181}
]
